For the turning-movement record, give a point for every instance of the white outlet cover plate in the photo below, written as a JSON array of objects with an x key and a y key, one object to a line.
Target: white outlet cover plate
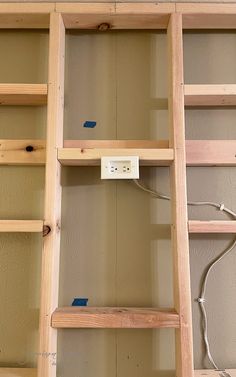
[{"x": 120, "y": 167}]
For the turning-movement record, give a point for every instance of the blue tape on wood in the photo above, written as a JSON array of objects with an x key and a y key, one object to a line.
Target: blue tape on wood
[
  {"x": 80, "y": 302},
  {"x": 90, "y": 124}
]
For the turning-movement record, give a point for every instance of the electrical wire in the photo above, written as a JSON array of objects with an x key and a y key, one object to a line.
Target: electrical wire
[{"x": 201, "y": 300}]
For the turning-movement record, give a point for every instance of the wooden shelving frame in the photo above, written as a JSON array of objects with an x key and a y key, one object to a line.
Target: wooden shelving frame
[{"x": 176, "y": 153}]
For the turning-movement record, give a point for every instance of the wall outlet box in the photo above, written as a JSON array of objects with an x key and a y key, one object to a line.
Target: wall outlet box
[{"x": 122, "y": 167}]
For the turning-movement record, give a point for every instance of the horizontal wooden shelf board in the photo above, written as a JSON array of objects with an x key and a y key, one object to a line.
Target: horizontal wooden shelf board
[
  {"x": 28, "y": 226},
  {"x": 89, "y": 317},
  {"x": 23, "y": 94},
  {"x": 119, "y": 15},
  {"x": 92, "y": 156},
  {"x": 18, "y": 372},
  {"x": 116, "y": 15},
  {"x": 207, "y": 16},
  {"x": 26, "y": 7},
  {"x": 22, "y": 152},
  {"x": 136, "y": 144},
  {"x": 24, "y": 21},
  {"x": 211, "y": 152},
  {"x": 89, "y": 152},
  {"x": 195, "y": 226},
  {"x": 116, "y": 22},
  {"x": 114, "y": 8},
  {"x": 210, "y": 95},
  {"x": 213, "y": 373}
]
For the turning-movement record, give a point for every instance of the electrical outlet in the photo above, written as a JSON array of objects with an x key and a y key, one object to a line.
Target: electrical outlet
[{"x": 122, "y": 167}]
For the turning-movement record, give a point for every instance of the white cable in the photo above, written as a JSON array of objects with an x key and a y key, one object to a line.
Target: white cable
[
  {"x": 201, "y": 300},
  {"x": 158, "y": 195}
]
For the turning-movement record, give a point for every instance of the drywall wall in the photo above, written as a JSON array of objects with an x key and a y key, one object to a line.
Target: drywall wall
[{"x": 115, "y": 239}]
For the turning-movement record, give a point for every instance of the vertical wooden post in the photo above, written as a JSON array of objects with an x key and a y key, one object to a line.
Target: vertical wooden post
[
  {"x": 52, "y": 214},
  {"x": 182, "y": 294}
]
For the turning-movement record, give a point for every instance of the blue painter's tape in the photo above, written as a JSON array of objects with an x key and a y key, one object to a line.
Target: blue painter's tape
[
  {"x": 90, "y": 124},
  {"x": 80, "y": 302}
]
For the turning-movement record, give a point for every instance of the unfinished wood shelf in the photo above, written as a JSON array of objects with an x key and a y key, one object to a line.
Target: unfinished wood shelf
[
  {"x": 89, "y": 317},
  {"x": 116, "y": 16},
  {"x": 89, "y": 152},
  {"x": 18, "y": 372},
  {"x": 211, "y": 152},
  {"x": 92, "y": 156},
  {"x": 30, "y": 226},
  {"x": 22, "y": 152},
  {"x": 23, "y": 94},
  {"x": 213, "y": 373},
  {"x": 195, "y": 226},
  {"x": 151, "y": 152},
  {"x": 210, "y": 95}
]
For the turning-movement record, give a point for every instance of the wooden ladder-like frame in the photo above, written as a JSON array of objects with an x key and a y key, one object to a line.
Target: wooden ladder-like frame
[{"x": 176, "y": 153}]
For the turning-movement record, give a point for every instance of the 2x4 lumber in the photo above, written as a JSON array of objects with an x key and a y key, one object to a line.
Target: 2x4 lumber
[
  {"x": 23, "y": 94},
  {"x": 116, "y": 16},
  {"x": 137, "y": 144},
  {"x": 198, "y": 152},
  {"x": 89, "y": 156},
  {"x": 196, "y": 226},
  {"x": 182, "y": 292},
  {"x": 22, "y": 152},
  {"x": 211, "y": 152},
  {"x": 30, "y": 226},
  {"x": 210, "y": 95},
  {"x": 208, "y": 16},
  {"x": 25, "y": 16},
  {"x": 26, "y": 8},
  {"x": 213, "y": 373},
  {"x": 78, "y": 317},
  {"x": 52, "y": 211},
  {"x": 18, "y": 372}
]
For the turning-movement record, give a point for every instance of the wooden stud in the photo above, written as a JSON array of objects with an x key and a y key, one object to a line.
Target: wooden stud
[
  {"x": 210, "y": 95},
  {"x": 23, "y": 94},
  {"x": 29, "y": 226},
  {"x": 195, "y": 226},
  {"x": 18, "y": 372},
  {"x": 117, "y": 16},
  {"x": 86, "y": 15},
  {"x": 208, "y": 16},
  {"x": 211, "y": 152},
  {"x": 213, "y": 373},
  {"x": 88, "y": 317},
  {"x": 182, "y": 295},
  {"x": 24, "y": 21},
  {"x": 102, "y": 144},
  {"x": 89, "y": 152},
  {"x": 85, "y": 8},
  {"x": 198, "y": 152},
  {"x": 24, "y": 16},
  {"x": 26, "y": 8},
  {"x": 206, "y": 8},
  {"x": 22, "y": 152},
  {"x": 52, "y": 213},
  {"x": 92, "y": 157}
]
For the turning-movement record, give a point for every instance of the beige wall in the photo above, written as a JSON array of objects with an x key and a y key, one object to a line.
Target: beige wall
[{"x": 115, "y": 239}]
